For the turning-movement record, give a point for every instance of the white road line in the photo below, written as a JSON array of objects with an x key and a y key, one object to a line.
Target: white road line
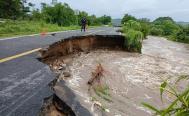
[
  {"x": 8, "y": 38},
  {"x": 2, "y": 39}
]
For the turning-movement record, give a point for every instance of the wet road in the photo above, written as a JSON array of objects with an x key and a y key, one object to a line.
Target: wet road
[{"x": 24, "y": 80}]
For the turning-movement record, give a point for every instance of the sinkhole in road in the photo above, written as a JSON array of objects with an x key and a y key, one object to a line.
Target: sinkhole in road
[
  {"x": 60, "y": 57},
  {"x": 95, "y": 75}
]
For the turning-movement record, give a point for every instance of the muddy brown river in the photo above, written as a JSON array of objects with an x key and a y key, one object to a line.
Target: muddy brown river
[{"x": 132, "y": 78}]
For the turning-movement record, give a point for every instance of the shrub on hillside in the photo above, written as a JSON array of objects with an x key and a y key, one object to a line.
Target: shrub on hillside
[
  {"x": 127, "y": 17},
  {"x": 170, "y": 28},
  {"x": 156, "y": 31},
  {"x": 131, "y": 24},
  {"x": 133, "y": 40},
  {"x": 145, "y": 28}
]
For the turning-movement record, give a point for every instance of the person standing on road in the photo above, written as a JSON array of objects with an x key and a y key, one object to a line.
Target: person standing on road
[{"x": 83, "y": 24}]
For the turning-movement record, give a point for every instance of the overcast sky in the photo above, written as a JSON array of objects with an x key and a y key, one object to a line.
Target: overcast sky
[{"x": 177, "y": 9}]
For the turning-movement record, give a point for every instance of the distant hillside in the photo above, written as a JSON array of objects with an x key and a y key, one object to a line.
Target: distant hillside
[
  {"x": 116, "y": 22},
  {"x": 183, "y": 23}
]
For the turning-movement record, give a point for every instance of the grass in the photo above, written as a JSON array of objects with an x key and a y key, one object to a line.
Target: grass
[
  {"x": 133, "y": 36},
  {"x": 103, "y": 92},
  {"x": 179, "y": 106},
  {"x": 133, "y": 40},
  {"x": 16, "y": 28}
]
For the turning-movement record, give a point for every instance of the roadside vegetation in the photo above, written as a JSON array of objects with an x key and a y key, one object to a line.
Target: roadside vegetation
[
  {"x": 167, "y": 27},
  {"x": 103, "y": 91},
  {"x": 20, "y": 17},
  {"x": 162, "y": 26},
  {"x": 13, "y": 28},
  {"x": 135, "y": 31},
  {"x": 179, "y": 106},
  {"x": 134, "y": 36}
]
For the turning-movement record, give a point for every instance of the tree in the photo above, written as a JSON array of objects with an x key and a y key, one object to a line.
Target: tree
[
  {"x": 127, "y": 17},
  {"x": 81, "y": 15},
  {"x": 156, "y": 31},
  {"x": 144, "y": 20},
  {"x": 145, "y": 26},
  {"x": 31, "y": 5},
  {"x": 10, "y": 9},
  {"x": 131, "y": 24},
  {"x": 43, "y": 5},
  {"x": 161, "y": 20},
  {"x": 105, "y": 19},
  {"x": 92, "y": 20},
  {"x": 36, "y": 15},
  {"x": 170, "y": 28},
  {"x": 60, "y": 14}
]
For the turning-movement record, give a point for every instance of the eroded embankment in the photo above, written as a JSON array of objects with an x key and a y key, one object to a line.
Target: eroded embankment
[
  {"x": 59, "y": 56},
  {"x": 103, "y": 79},
  {"x": 81, "y": 44}
]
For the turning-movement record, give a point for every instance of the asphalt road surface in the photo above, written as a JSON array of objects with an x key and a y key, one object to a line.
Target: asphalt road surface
[{"x": 23, "y": 79}]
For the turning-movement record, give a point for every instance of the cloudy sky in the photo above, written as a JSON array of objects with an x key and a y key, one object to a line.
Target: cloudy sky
[{"x": 178, "y": 9}]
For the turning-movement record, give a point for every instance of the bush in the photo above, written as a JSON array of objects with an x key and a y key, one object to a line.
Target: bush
[
  {"x": 170, "y": 28},
  {"x": 133, "y": 36},
  {"x": 156, "y": 31},
  {"x": 181, "y": 37},
  {"x": 178, "y": 107},
  {"x": 60, "y": 14},
  {"x": 133, "y": 40},
  {"x": 127, "y": 17},
  {"x": 145, "y": 28},
  {"x": 131, "y": 24},
  {"x": 11, "y": 28}
]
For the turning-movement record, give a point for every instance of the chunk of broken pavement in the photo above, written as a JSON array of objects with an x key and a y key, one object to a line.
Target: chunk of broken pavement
[{"x": 66, "y": 74}]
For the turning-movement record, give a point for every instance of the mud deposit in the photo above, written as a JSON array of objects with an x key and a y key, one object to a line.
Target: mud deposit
[{"x": 124, "y": 79}]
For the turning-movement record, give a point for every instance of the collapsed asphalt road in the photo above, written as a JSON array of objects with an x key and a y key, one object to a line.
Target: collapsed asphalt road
[
  {"x": 96, "y": 76},
  {"x": 23, "y": 79}
]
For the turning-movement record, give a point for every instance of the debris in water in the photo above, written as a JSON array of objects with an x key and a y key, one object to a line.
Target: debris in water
[{"x": 97, "y": 74}]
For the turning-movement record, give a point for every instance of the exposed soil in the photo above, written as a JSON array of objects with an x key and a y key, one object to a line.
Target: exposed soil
[
  {"x": 131, "y": 78},
  {"x": 53, "y": 106}
]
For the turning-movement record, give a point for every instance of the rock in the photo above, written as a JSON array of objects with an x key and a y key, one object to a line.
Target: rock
[
  {"x": 86, "y": 51},
  {"x": 55, "y": 67},
  {"x": 61, "y": 76},
  {"x": 61, "y": 68},
  {"x": 67, "y": 60},
  {"x": 107, "y": 110},
  {"x": 66, "y": 74},
  {"x": 97, "y": 103},
  {"x": 63, "y": 65}
]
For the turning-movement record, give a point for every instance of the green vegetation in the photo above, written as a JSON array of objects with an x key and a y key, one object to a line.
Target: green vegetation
[
  {"x": 13, "y": 28},
  {"x": 166, "y": 26},
  {"x": 103, "y": 92},
  {"x": 127, "y": 17},
  {"x": 136, "y": 30},
  {"x": 19, "y": 17},
  {"x": 133, "y": 41},
  {"x": 155, "y": 30},
  {"x": 178, "y": 107}
]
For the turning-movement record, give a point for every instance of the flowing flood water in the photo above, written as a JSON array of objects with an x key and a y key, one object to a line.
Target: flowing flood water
[{"x": 132, "y": 78}]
